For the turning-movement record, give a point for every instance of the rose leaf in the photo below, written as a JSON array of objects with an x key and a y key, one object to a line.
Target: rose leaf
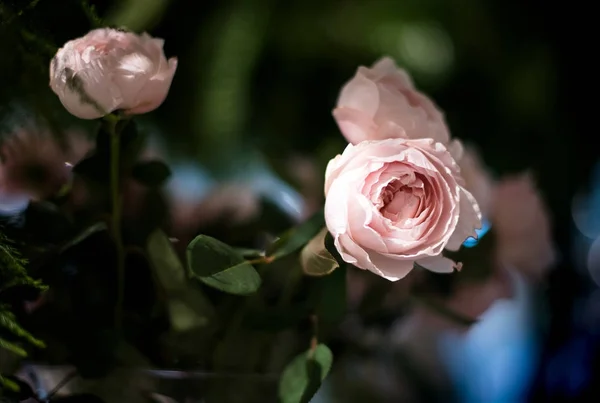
[
  {"x": 220, "y": 266},
  {"x": 303, "y": 376}
]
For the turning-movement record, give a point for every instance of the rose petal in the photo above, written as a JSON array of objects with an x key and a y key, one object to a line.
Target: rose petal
[
  {"x": 391, "y": 269},
  {"x": 155, "y": 91},
  {"x": 437, "y": 264},
  {"x": 355, "y": 125},
  {"x": 469, "y": 220},
  {"x": 361, "y": 94}
]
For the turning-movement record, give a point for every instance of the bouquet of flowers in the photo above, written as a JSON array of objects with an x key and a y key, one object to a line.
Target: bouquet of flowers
[{"x": 112, "y": 293}]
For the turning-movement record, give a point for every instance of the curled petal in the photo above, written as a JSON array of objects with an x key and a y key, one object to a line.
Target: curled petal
[
  {"x": 360, "y": 94},
  {"x": 438, "y": 264},
  {"x": 355, "y": 125},
  {"x": 153, "y": 94},
  {"x": 469, "y": 220}
]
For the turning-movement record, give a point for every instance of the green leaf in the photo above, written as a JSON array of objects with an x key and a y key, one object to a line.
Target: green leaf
[
  {"x": 13, "y": 348},
  {"x": 444, "y": 311},
  {"x": 151, "y": 173},
  {"x": 12, "y": 267},
  {"x": 303, "y": 376},
  {"x": 250, "y": 253},
  {"x": 8, "y": 386},
  {"x": 188, "y": 307},
  {"x": 13, "y": 387},
  {"x": 9, "y": 323},
  {"x": 220, "y": 266},
  {"x": 297, "y": 237},
  {"x": 13, "y": 274},
  {"x": 166, "y": 264},
  {"x": 330, "y": 246},
  {"x": 316, "y": 259},
  {"x": 315, "y": 377},
  {"x": 184, "y": 317}
]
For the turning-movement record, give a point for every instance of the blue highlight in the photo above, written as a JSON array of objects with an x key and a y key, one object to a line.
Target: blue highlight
[{"x": 485, "y": 227}]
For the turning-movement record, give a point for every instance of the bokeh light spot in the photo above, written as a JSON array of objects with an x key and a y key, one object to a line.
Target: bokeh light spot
[{"x": 426, "y": 48}]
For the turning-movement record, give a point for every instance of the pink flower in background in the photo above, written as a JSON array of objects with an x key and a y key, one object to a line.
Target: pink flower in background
[
  {"x": 394, "y": 202},
  {"x": 478, "y": 180},
  {"x": 522, "y": 225},
  {"x": 33, "y": 163},
  {"x": 473, "y": 299},
  {"x": 234, "y": 203},
  {"x": 517, "y": 213},
  {"x": 107, "y": 70},
  {"x": 385, "y": 94}
]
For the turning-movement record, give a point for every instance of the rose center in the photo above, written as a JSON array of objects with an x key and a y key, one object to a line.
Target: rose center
[{"x": 400, "y": 201}]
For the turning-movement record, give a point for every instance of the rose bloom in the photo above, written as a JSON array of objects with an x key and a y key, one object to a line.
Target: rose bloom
[
  {"x": 107, "y": 70},
  {"x": 394, "y": 202},
  {"x": 385, "y": 93},
  {"x": 517, "y": 213},
  {"x": 522, "y": 225}
]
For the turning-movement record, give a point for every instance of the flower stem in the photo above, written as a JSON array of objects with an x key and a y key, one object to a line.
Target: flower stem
[
  {"x": 116, "y": 222},
  {"x": 314, "y": 340}
]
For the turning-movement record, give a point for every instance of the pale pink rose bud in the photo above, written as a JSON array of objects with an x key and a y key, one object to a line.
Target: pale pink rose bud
[
  {"x": 522, "y": 226},
  {"x": 108, "y": 70},
  {"x": 394, "y": 202},
  {"x": 385, "y": 93}
]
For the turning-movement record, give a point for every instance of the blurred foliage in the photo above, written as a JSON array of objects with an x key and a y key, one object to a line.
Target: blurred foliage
[{"x": 16, "y": 286}]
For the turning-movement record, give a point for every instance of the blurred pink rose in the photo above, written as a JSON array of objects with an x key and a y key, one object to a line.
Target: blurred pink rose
[
  {"x": 309, "y": 180},
  {"x": 108, "y": 69},
  {"x": 394, "y": 202},
  {"x": 522, "y": 225},
  {"x": 33, "y": 163},
  {"x": 517, "y": 213},
  {"x": 478, "y": 180},
  {"x": 473, "y": 299},
  {"x": 235, "y": 203},
  {"x": 385, "y": 93}
]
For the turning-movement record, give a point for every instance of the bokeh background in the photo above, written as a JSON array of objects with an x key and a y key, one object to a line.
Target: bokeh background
[{"x": 252, "y": 98}]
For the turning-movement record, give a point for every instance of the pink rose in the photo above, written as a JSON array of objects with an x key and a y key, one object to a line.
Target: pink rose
[
  {"x": 108, "y": 69},
  {"x": 385, "y": 93},
  {"x": 522, "y": 225},
  {"x": 394, "y": 202}
]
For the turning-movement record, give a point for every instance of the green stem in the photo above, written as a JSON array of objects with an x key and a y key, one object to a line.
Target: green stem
[
  {"x": 116, "y": 222},
  {"x": 314, "y": 340}
]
